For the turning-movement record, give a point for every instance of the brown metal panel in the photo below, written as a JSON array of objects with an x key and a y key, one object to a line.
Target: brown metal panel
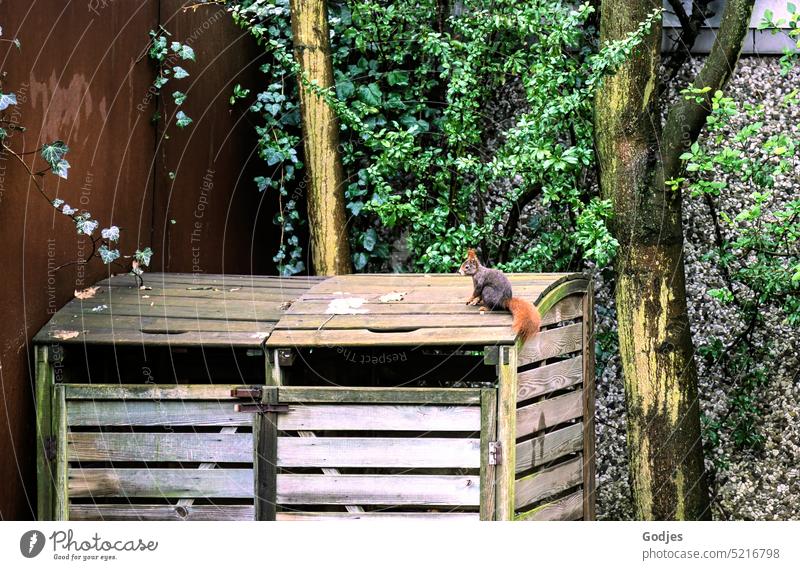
[{"x": 222, "y": 223}]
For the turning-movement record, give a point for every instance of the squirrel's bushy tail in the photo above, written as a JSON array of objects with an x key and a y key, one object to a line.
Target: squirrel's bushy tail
[{"x": 526, "y": 317}]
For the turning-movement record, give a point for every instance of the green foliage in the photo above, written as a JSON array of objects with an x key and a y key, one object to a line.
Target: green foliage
[
  {"x": 789, "y": 27},
  {"x": 412, "y": 100},
  {"x": 167, "y": 54}
]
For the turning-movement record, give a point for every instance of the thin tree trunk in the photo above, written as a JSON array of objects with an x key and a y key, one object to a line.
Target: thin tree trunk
[
  {"x": 330, "y": 250},
  {"x": 664, "y": 442}
]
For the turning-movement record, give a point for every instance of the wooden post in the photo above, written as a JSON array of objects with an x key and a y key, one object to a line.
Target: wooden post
[
  {"x": 59, "y": 465},
  {"x": 44, "y": 431},
  {"x": 488, "y": 435},
  {"x": 506, "y": 432},
  {"x": 265, "y": 444},
  {"x": 588, "y": 405}
]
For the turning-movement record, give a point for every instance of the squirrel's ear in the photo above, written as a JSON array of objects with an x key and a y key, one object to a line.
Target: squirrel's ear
[{"x": 471, "y": 254}]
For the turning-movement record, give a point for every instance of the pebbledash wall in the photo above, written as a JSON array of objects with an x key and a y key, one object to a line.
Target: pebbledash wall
[{"x": 79, "y": 78}]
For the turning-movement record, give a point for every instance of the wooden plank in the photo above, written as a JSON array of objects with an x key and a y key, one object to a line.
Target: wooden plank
[
  {"x": 549, "y": 447},
  {"x": 189, "y": 447},
  {"x": 488, "y": 435},
  {"x": 588, "y": 406},
  {"x": 184, "y": 339},
  {"x": 566, "y": 309},
  {"x": 61, "y": 509},
  {"x": 153, "y": 392},
  {"x": 549, "y": 413},
  {"x": 353, "y": 417},
  {"x": 155, "y": 413},
  {"x": 549, "y": 378},
  {"x": 332, "y": 471},
  {"x": 152, "y": 279},
  {"x": 161, "y": 483},
  {"x": 552, "y": 343},
  {"x": 379, "y": 452},
  {"x": 312, "y": 308},
  {"x": 568, "y": 285},
  {"x": 548, "y": 482},
  {"x": 422, "y": 336},
  {"x": 569, "y": 508},
  {"x": 290, "y": 394},
  {"x": 506, "y": 432},
  {"x": 109, "y": 323},
  {"x": 265, "y": 447},
  {"x": 375, "y": 321},
  {"x": 378, "y": 515},
  {"x": 428, "y": 490},
  {"x": 44, "y": 429},
  {"x": 128, "y": 512}
]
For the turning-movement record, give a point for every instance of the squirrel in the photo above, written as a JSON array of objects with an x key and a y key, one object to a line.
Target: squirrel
[{"x": 492, "y": 289}]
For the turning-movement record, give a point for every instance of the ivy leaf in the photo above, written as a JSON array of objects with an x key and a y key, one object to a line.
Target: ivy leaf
[
  {"x": 345, "y": 89},
  {"x": 184, "y": 51},
  {"x": 143, "y": 256},
  {"x": 179, "y": 97},
  {"x": 179, "y": 72},
  {"x": 7, "y": 99},
  {"x": 107, "y": 255},
  {"x": 3, "y": 133},
  {"x": 52, "y": 153},
  {"x": 370, "y": 94},
  {"x": 370, "y": 239},
  {"x": 360, "y": 260},
  {"x": 397, "y": 78},
  {"x": 60, "y": 169},
  {"x": 182, "y": 120},
  {"x": 160, "y": 81}
]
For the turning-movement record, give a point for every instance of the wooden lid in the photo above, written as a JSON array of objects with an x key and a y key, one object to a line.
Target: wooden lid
[{"x": 184, "y": 309}]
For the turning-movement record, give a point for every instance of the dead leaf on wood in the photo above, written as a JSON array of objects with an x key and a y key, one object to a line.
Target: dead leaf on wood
[
  {"x": 393, "y": 297},
  {"x": 347, "y": 306},
  {"x": 99, "y": 308},
  {"x": 235, "y": 289},
  {"x": 87, "y": 293},
  {"x": 145, "y": 288},
  {"x": 206, "y": 288},
  {"x": 145, "y": 296},
  {"x": 64, "y": 335}
]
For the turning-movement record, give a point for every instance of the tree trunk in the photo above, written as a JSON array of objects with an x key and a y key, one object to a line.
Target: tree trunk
[
  {"x": 664, "y": 443},
  {"x": 330, "y": 250}
]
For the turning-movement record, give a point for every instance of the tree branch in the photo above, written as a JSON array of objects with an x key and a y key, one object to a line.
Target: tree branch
[
  {"x": 687, "y": 117},
  {"x": 690, "y": 29},
  {"x": 513, "y": 220}
]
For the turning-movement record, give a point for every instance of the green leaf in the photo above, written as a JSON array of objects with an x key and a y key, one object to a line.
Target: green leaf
[
  {"x": 179, "y": 72},
  {"x": 182, "y": 120},
  {"x": 7, "y": 99},
  {"x": 179, "y": 97},
  {"x": 184, "y": 51},
  {"x": 360, "y": 260},
  {"x": 397, "y": 78},
  {"x": 370, "y": 94},
  {"x": 53, "y": 152}
]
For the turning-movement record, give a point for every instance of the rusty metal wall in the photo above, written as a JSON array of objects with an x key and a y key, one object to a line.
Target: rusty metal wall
[{"x": 79, "y": 77}]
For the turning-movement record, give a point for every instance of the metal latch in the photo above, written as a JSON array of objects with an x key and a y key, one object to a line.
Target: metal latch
[
  {"x": 261, "y": 408},
  {"x": 495, "y": 453},
  {"x": 253, "y": 392}
]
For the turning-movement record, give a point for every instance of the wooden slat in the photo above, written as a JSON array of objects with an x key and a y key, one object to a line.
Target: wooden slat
[
  {"x": 549, "y": 447},
  {"x": 362, "y": 337},
  {"x": 565, "y": 310},
  {"x": 379, "y": 452},
  {"x": 60, "y": 511},
  {"x": 167, "y": 483},
  {"x": 569, "y": 508},
  {"x": 265, "y": 449},
  {"x": 549, "y": 378},
  {"x": 189, "y": 447},
  {"x": 552, "y": 343},
  {"x": 147, "y": 413},
  {"x": 428, "y": 490},
  {"x": 383, "y": 321},
  {"x": 588, "y": 406},
  {"x": 44, "y": 429},
  {"x": 400, "y": 310},
  {"x": 378, "y": 515},
  {"x": 488, "y": 471},
  {"x": 548, "y": 482},
  {"x": 155, "y": 392},
  {"x": 549, "y": 413},
  {"x": 380, "y": 395},
  {"x": 184, "y": 339},
  {"x": 380, "y": 417},
  {"x": 130, "y": 512},
  {"x": 110, "y": 323},
  {"x": 506, "y": 432}
]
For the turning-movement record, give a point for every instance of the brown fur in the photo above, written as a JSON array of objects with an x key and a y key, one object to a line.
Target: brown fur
[{"x": 492, "y": 289}]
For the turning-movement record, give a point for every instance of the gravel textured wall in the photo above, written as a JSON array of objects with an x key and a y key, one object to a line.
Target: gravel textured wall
[{"x": 765, "y": 484}]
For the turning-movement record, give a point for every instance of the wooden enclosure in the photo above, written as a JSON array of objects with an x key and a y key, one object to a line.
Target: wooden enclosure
[{"x": 217, "y": 397}]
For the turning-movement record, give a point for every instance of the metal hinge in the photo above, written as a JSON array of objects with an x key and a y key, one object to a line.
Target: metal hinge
[
  {"x": 251, "y": 392},
  {"x": 495, "y": 453},
  {"x": 50, "y": 447}
]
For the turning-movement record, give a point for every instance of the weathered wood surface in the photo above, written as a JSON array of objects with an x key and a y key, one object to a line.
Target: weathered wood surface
[
  {"x": 569, "y": 508},
  {"x": 177, "y": 310},
  {"x": 60, "y": 511},
  {"x": 549, "y": 413},
  {"x": 44, "y": 429},
  {"x": 378, "y": 515},
  {"x": 153, "y": 392},
  {"x": 167, "y": 483},
  {"x": 552, "y": 343},
  {"x": 433, "y": 490},
  {"x": 380, "y": 417},
  {"x": 488, "y": 470},
  {"x": 380, "y": 395},
  {"x": 547, "y": 482},
  {"x": 546, "y": 448},
  {"x": 367, "y": 452},
  {"x": 506, "y": 432},
  {"x": 189, "y": 447},
  {"x": 549, "y": 378},
  {"x": 148, "y": 413},
  {"x": 128, "y": 512},
  {"x": 432, "y": 311},
  {"x": 588, "y": 406}
]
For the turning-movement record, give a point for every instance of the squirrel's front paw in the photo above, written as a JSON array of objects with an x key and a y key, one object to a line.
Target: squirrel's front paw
[{"x": 474, "y": 301}]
